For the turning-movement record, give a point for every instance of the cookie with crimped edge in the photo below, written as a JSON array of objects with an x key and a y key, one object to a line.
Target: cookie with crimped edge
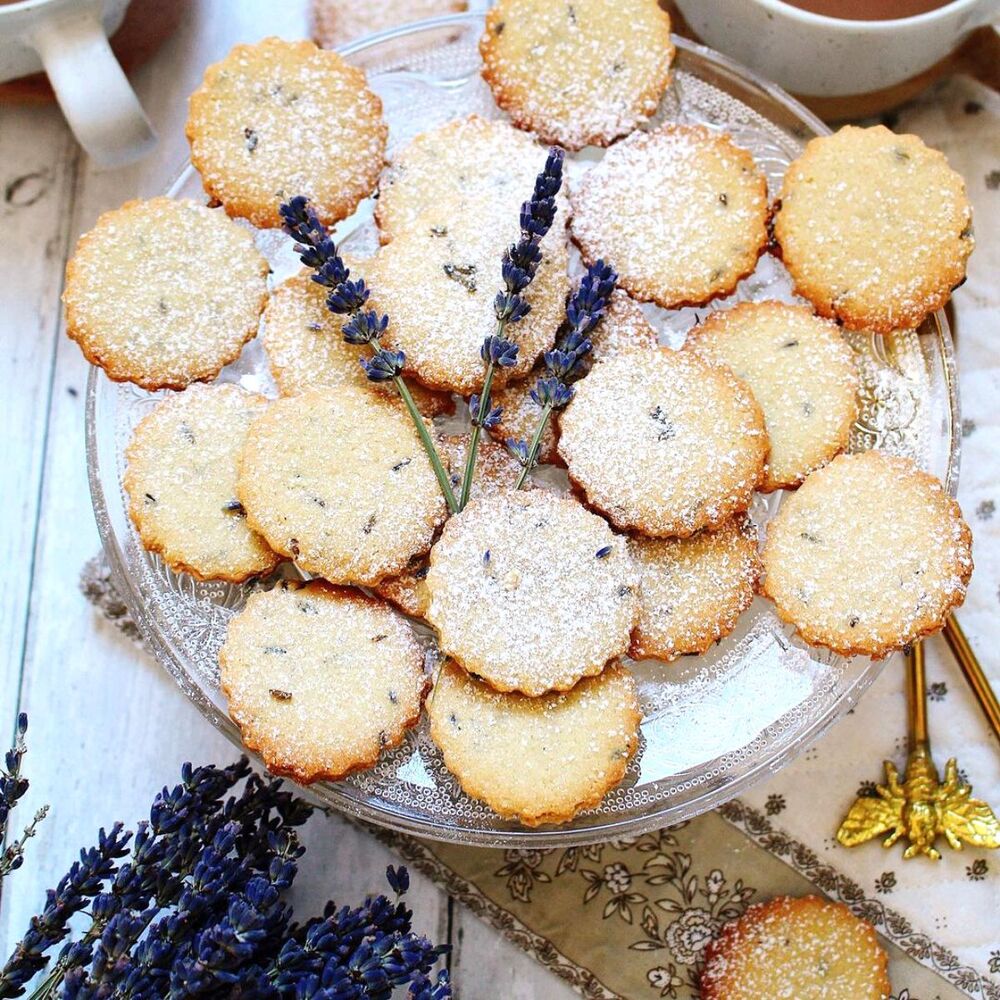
[
  {"x": 664, "y": 442},
  {"x": 277, "y": 119},
  {"x": 163, "y": 293},
  {"x": 693, "y": 590},
  {"x": 875, "y": 228},
  {"x": 802, "y": 373},
  {"x": 531, "y": 592},
  {"x": 306, "y": 349},
  {"x": 467, "y": 166},
  {"x": 680, "y": 213},
  {"x": 181, "y": 484},
  {"x": 496, "y": 470},
  {"x": 321, "y": 679},
  {"x": 337, "y": 22},
  {"x": 623, "y": 327},
  {"x": 581, "y": 73},
  {"x": 536, "y": 760},
  {"x": 438, "y": 286},
  {"x": 339, "y": 481},
  {"x": 867, "y": 556},
  {"x": 807, "y": 948}
]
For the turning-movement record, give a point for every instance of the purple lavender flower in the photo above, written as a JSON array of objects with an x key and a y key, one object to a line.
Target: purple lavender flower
[
  {"x": 384, "y": 365},
  {"x": 196, "y": 909}
]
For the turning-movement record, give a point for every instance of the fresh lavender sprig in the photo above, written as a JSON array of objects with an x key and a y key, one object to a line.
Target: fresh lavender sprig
[
  {"x": 196, "y": 908},
  {"x": 520, "y": 262},
  {"x": 12, "y": 787},
  {"x": 365, "y": 327},
  {"x": 563, "y": 364}
]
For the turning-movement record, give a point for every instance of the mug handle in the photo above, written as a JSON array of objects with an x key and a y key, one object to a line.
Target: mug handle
[{"x": 91, "y": 87}]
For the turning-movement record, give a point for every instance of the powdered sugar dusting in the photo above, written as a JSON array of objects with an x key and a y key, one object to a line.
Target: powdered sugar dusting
[
  {"x": 320, "y": 680},
  {"x": 338, "y": 481},
  {"x": 470, "y": 166},
  {"x": 496, "y": 471},
  {"x": 868, "y": 555},
  {"x": 663, "y": 442},
  {"x": 539, "y": 760},
  {"x": 874, "y": 227},
  {"x": 163, "y": 293},
  {"x": 306, "y": 347},
  {"x": 680, "y": 213},
  {"x": 693, "y": 590},
  {"x": 438, "y": 288},
  {"x": 577, "y": 73},
  {"x": 181, "y": 481},
  {"x": 531, "y": 592},
  {"x": 278, "y": 119},
  {"x": 796, "y": 949},
  {"x": 801, "y": 372}
]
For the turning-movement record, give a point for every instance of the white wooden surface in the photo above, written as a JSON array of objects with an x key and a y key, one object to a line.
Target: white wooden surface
[{"x": 107, "y": 727}]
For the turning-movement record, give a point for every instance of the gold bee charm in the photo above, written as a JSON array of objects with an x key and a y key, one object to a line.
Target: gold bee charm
[{"x": 921, "y": 808}]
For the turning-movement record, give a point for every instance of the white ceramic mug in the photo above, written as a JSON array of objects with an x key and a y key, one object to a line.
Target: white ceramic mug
[
  {"x": 69, "y": 40},
  {"x": 813, "y": 55}
]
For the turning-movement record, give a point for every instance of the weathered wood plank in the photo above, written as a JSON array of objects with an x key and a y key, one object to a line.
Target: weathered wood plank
[{"x": 37, "y": 172}]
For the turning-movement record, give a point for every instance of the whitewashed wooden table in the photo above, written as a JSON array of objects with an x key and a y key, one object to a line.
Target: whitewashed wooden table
[{"x": 107, "y": 727}]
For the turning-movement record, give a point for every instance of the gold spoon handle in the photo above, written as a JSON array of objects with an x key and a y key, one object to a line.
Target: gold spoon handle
[
  {"x": 973, "y": 672},
  {"x": 916, "y": 696}
]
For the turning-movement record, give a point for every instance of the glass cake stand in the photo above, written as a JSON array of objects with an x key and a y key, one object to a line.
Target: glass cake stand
[{"x": 714, "y": 724}]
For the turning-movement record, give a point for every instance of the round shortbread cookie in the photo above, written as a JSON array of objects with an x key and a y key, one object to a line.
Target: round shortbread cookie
[
  {"x": 496, "y": 470},
  {"x": 163, "y": 293},
  {"x": 693, "y": 590},
  {"x": 531, "y": 592},
  {"x": 875, "y": 228},
  {"x": 679, "y": 213},
  {"x": 320, "y": 679},
  {"x": 306, "y": 347},
  {"x": 537, "y": 760},
  {"x": 664, "y": 442},
  {"x": 181, "y": 484},
  {"x": 581, "y": 73},
  {"x": 466, "y": 166},
  {"x": 337, "y": 22},
  {"x": 438, "y": 290},
  {"x": 802, "y": 373},
  {"x": 278, "y": 119},
  {"x": 339, "y": 481},
  {"x": 808, "y": 948},
  {"x": 867, "y": 556}
]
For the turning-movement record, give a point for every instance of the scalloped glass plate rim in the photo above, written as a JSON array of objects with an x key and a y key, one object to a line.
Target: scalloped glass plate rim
[{"x": 350, "y": 800}]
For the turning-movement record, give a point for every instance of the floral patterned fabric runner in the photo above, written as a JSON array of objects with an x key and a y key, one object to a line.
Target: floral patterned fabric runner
[{"x": 631, "y": 918}]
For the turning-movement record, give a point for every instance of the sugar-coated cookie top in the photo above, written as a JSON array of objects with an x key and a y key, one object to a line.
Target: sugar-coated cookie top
[
  {"x": 181, "y": 482},
  {"x": 867, "y": 555},
  {"x": 664, "y": 442},
  {"x": 874, "y": 227},
  {"x": 320, "y": 679},
  {"x": 577, "y": 73},
  {"x": 538, "y": 760},
  {"x": 278, "y": 119},
  {"x": 800, "y": 370},
  {"x": 163, "y": 293},
  {"x": 680, "y": 213},
  {"x": 799, "y": 949},
  {"x": 531, "y": 591}
]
